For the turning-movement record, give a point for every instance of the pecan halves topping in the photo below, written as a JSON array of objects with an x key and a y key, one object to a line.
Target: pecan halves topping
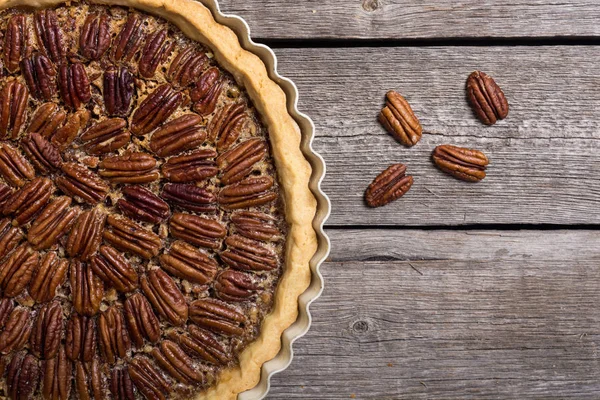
[
  {"x": 50, "y": 36},
  {"x": 13, "y": 111},
  {"x": 141, "y": 320},
  {"x": 10, "y": 237},
  {"x": 238, "y": 163},
  {"x": 141, "y": 204},
  {"x": 53, "y": 222},
  {"x": 156, "y": 51},
  {"x": 129, "y": 40},
  {"x": 236, "y": 286},
  {"x": 47, "y": 331},
  {"x": 47, "y": 119},
  {"x": 177, "y": 363},
  {"x": 17, "y": 331},
  {"x": 94, "y": 38},
  {"x": 128, "y": 236},
  {"x": 89, "y": 380},
  {"x": 58, "y": 372},
  {"x": 250, "y": 192},
  {"x": 74, "y": 85},
  {"x": 86, "y": 235},
  {"x": 121, "y": 386},
  {"x": 80, "y": 340},
  {"x": 190, "y": 197},
  {"x": 155, "y": 109},
  {"x": 149, "y": 381},
  {"x": 486, "y": 98},
  {"x": 15, "y": 42},
  {"x": 51, "y": 273},
  {"x": 105, "y": 136},
  {"x": 112, "y": 335},
  {"x": 388, "y": 186},
  {"x": 16, "y": 271},
  {"x": 204, "y": 344},
  {"x": 82, "y": 184},
  {"x": 23, "y": 376},
  {"x": 186, "y": 66},
  {"x": 196, "y": 166},
  {"x": 65, "y": 135},
  {"x": 27, "y": 201},
  {"x": 39, "y": 74},
  {"x": 165, "y": 296},
  {"x": 206, "y": 92},
  {"x": 197, "y": 230},
  {"x": 186, "y": 262},
  {"x": 113, "y": 268},
  {"x": 226, "y": 126},
  {"x": 399, "y": 119},
  {"x": 248, "y": 255},
  {"x": 119, "y": 88},
  {"x": 45, "y": 156},
  {"x": 87, "y": 289},
  {"x": 14, "y": 168},
  {"x": 462, "y": 163},
  {"x": 130, "y": 168},
  {"x": 256, "y": 225},
  {"x": 181, "y": 134},
  {"x": 218, "y": 316}
]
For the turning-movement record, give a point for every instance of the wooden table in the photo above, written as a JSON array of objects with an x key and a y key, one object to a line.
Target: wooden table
[{"x": 457, "y": 290}]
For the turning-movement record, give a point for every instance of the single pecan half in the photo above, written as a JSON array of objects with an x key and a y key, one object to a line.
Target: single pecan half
[
  {"x": 149, "y": 381},
  {"x": 185, "y": 262},
  {"x": 94, "y": 38},
  {"x": 196, "y": 166},
  {"x": 128, "y": 236},
  {"x": 156, "y": 51},
  {"x": 129, "y": 168},
  {"x": 181, "y": 134},
  {"x": 86, "y": 234},
  {"x": 40, "y": 75},
  {"x": 16, "y": 271},
  {"x": 114, "y": 269},
  {"x": 486, "y": 98},
  {"x": 121, "y": 386},
  {"x": 206, "y": 92},
  {"x": 23, "y": 376},
  {"x": 10, "y": 237},
  {"x": 5, "y": 193},
  {"x": 47, "y": 119},
  {"x": 89, "y": 380},
  {"x": 177, "y": 363},
  {"x": 156, "y": 108},
  {"x": 165, "y": 296},
  {"x": 64, "y": 136},
  {"x": 47, "y": 331},
  {"x": 16, "y": 331},
  {"x": 27, "y": 201},
  {"x": 248, "y": 255},
  {"x": 7, "y": 306},
  {"x": 462, "y": 163},
  {"x": 44, "y": 155},
  {"x": 50, "y": 36},
  {"x": 250, "y": 192},
  {"x": 388, "y": 186},
  {"x": 399, "y": 119},
  {"x": 141, "y": 204},
  {"x": 13, "y": 109},
  {"x": 105, "y": 136},
  {"x": 53, "y": 222},
  {"x": 15, "y": 42},
  {"x": 218, "y": 316},
  {"x": 238, "y": 163},
  {"x": 186, "y": 66},
  {"x": 141, "y": 320},
  {"x": 82, "y": 184},
  {"x": 87, "y": 289},
  {"x": 112, "y": 335},
  {"x": 14, "y": 168},
  {"x": 129, "y": 40},
  {"x": 204, "y": 344},
  {"x": 197, "y": 230},
  {"x": 51, "y": 273},
  {"x": 236, "y": 286},
  {"x": 256, "y": 225},
  {"x": 74, "y": 85},
  {"x": 58, "y": 372},
  {"x": 119, "y": 88},
  {"x": 190, "y": 197},
  {"x": 80, "y": 340},
  {"x": 226, "y": 126}
]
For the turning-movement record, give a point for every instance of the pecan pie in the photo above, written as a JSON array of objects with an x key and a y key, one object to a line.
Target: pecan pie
[{"x": 154, "y": 203}]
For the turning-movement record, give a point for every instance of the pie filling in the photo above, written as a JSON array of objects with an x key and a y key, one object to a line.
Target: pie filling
[{"x": 142, "y": 231}]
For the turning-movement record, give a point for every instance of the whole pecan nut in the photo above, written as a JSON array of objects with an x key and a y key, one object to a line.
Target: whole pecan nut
[
  {"x": 50, "y": 274},
  {"x": 23, "y": 376},
  {"x": 17, "y": 331},
  {"x": 87, "y": 289},
  {"x": 248, "y": 255},
  {"x": 156, "y": 51},
  {"x": 89, "y": 380},
  {"x": 40, "y": 75},
  {"x": 130, "y": 168},
  {"x": 121, "y": 386},
  {"x": 227, "y": 124},
  {"x": 190, "y": 197},
  {"x": 185, "y": 262},
  {"x": 197, "y": 230},
  {"x": 177, "y": 363},
  {"x": 462, "y": 163},
  {"x": 47, "y": 331},
  {"x": 236, "y": 286},
  {"x": 250, "y": 192},
  {"x": 218, "y": 316},
  {"x": 114, "y": 269},
  {"x": 255, "y": 225},
  {"x": 94, "y": 38},
  {"x": 44, "y": 155},
  {"x": 80, "y": 340},
  {"x": 13, "y": 109},
  {"x": 74, "y": 85},
  {"x": 399, "y": 119},
  {"x": 156, "y": 108},
  {"x": 206, "y": 92},
  {"x": 129, "y": 40},
  {"x": 53, "y": 222},
  {"x": 486, "y": 98},
  {"x": 16, "y": 271},
  {"x": 66, "y": 134},
  {"x": 149, "y": 381},
  {"x": 143, "y": 205},
  {"x": 50, "y": 36},
  {"x": 141, "y": 320},
  {"x": 165, "y": 296},
  {"x": 204, "y": 344},
  {"x": 56, "y": 383},
  {"x": 119, "y": 89},
  {"x": 14, "y": 168},
  {"x": 195, "y": 166},
  {"x": 238, "y": 163},
  {"x": 86, "y": 235},
  {"x": 81, "y": 183},
  {"x": 128, "y": 236},
  {"x": 15, "y": 42},
  {"x": 27, "y": 201},
  {"x": 186, "y": 66},
  {"x": 388, "y": 186},
  {"x": 181, "y": 134},
  {"x": 112, "y": 335},
  {"x": 10, "y": 237},
  {"x": 105, "y": 136}
]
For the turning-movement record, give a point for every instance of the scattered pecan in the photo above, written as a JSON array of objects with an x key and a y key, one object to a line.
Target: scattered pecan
[
  {"x": 388, "y": 186},
  {"x": 399, "y": 119},
  {"x": 129, "y": 168},
  {"x": 50, "y": 36},
  {"x": 50, "y": 274},
  {"x": 218, "y": 316},
  {"x": 141, "y": 320},
  {"x": 44, "y": 155},
  {"x": 190, "y": 197},
  {"x": 112, "y": 335},
  {"x": 235, "y": 286},
  {"x": 47, "y": 119},
  {"x": 462, "y": 163},
  {"x": 156, "y": 51},
  {"x": 47, "y": 331},
  {"x": 248, "y": 255},
  {"x": 149, "y": 381},
  {"x": 83, "y": 184},
  {"x": 39, "y": 74},
  {"x": 86, "y": 234},
  {"x": 27, "y": 201},
  {"x": 119, "y": 88},
  {"x": 141, "y": 204},
  {"x": 105, "y": 136},
  {"x": 156, "y": 108},
  {"x": 65, "y": 135},
  {"x": 197, "y": 230},
  {"x": 10, "y": 237},
  {"x": 53, "y": 222},
  {"x": 80, "y": 340},
  {"x": 256, "y": 225},
  {"x": 56, "y": 383},
  {"x": 15, "y": 42},
  {"x": 89, "y": 380},
  {"x": 114, "y": 269},
  {"x": 87, "y": 289},
  {"x": 186, "y": 66},
  {"x": 181, "y": 134},
  {"x": 14, "y": 168},
  {"x": 238, "y": 163},
  {"x": 486, "y": 98},
  {"x": 17, "y": 331},
  {"x": 74, "y": 85},
  {"x": 206, "y": 92},
  {"x": 185, "y": 262},
  {"x": 165, "y": 296},
  {"x": 129, "y": 40},
  {"x": 250, "y": 192},
  {"x": 17, "y": 269},
  {"x": 226, "y": 126},
  {"x": 196, "y": 166},
  {"x": 13, "y": 109},
  {"x": 120, "y": 384},
  {"x": 94, "y": 38},
  {"x": 204, "y": 344},
  {"x": 23, "y": 377},
  {"x": 128, "y": 236},
  {"x": 177, "y": 363}
]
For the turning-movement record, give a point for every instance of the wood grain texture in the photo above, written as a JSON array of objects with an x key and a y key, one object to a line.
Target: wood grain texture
[
  {"x": 399, "y": 19},
  {"x": 544, "y": 158}
]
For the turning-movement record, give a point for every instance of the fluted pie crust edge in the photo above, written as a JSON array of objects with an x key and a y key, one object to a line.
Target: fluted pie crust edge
[{"x": 294, "y": 171}]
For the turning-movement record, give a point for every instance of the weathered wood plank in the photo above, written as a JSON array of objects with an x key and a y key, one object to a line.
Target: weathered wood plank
[
  {"x": 455, "y": 327},
  {"x": 544, "y": 157},
  {"x": 399, "y": 19}
]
